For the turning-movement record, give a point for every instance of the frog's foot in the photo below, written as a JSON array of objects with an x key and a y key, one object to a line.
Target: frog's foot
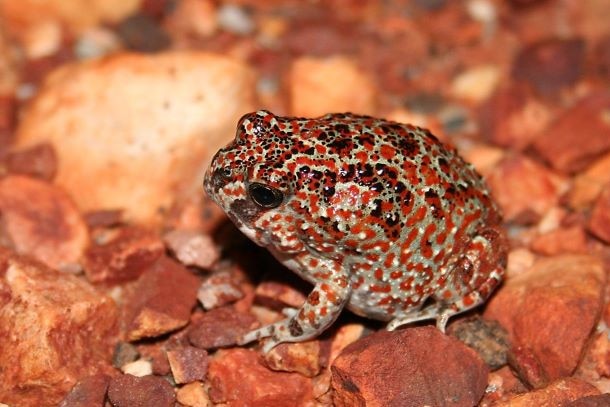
[
  {"x": 416, "y": 315},
  {"x": 322, "y": 307}
]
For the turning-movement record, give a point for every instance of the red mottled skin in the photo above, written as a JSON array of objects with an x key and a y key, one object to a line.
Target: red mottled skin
[{"x": 380, "y": 216}]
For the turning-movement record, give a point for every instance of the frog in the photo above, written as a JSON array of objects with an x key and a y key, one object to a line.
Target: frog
[{"x": 380, "y": 217}]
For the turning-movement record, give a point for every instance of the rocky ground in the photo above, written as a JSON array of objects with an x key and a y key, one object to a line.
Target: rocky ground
[{"x": 122, "y": 285}]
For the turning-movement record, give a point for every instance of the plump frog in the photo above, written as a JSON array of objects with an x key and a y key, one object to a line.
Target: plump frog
[{"x": 380, "y": 216}]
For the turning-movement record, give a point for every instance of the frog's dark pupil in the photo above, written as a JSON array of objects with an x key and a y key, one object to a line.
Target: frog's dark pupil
[
  {"x": 265, "y": 196},
  {"x": 225, "y": 172}
]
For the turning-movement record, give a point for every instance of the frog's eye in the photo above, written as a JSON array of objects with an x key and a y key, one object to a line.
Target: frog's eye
[
  {"x": 265, "y": 196},
  {"x": 225, "y": 173}
]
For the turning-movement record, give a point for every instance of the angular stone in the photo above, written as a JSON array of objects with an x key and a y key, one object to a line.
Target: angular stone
[
  {"x": 220, "y": 327},
  {"x": 552, "y": 64},
  {"x": 143, "y": 156},
  {"x": 88, "y": 392},
  {"x": 43, "y": 314},
  {"x": 193, "y": 395},
  {"x": 192, "y": 248},
  {"x": 524, "y": 189},
  {"x": 599, "y": 222},
  {"x": 562, "y": 240},
  {"x": 600, "y": 400},
  {"x": 487, "y": 338},
  {"x": 161, "y": 300},
  {"x": 123, "y": 255},
  {"x": 238, "y": 379},
  {"x": 549, "y": 312},
  {"x": 588, "y": 184},
  {"x": 188, "y": 364},
  {"x": 558, "y": 393},
  {"x": 277, "y": 296},
  {"x": 130, "y": 391},
  {"x": 578, "y": 136},
  {"x": 222, "y": 287},
  {"x": 39, "y": 161},
  {"x": 414, "y": 366},
  {"x": 301, "y": 357},
  {"x": 322, "y": 85},
  {"x": 40, "y": 219}
]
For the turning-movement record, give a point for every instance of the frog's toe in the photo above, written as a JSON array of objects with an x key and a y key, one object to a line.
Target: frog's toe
[{"x": 256, "y": 334}]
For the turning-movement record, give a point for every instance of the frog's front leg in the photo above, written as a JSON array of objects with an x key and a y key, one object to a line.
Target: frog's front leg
[{"x": 322, "y": 306}]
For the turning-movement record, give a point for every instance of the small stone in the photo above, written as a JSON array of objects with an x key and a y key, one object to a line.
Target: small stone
[
  {"x": 188, "y": 364},
  {"x": 130, "y": 391},
  {"x": 41, "y": 220},
  {"x": 550, "y": 65},
  {"x": 599, "y": 222},
  {"x": 122, "y": 256},
  {"x": 476, "y": 84},
  {"x": 343, "y": 337},
  {"x": 588, "y": 184},
  {"x": 192, "y": 18},
  {"x": 222, "y": 287},
  {"x": 562, "y": 240},
  {"x": 549, "y": 312},
  {"x": 38, "y": 161},
  {"x": 161, "y": 300},
  {"x": 278, "y": 296},
  {"x": 138, "y": 368},
  {"x": 238, "y": 378},
  {"x": 301, "y": 357},
  {"x": 124, "y": 353},
  {"x": 235, "y": 19},
  {"x": 192, "y": 248},
  {"x": 142, "y": 33},
  {"x": 220, "y": 327},
  {"x": 322, "y": 85},
  {"x": 525, "y": 189},
  {"x": 104, "y": 218},
  {"x": 452, "y": 373},
  {"x": 193, "y": 395},
  {"x": 600, "y": 400},
  {"x": 562, "y": 144},
  {"x": 88, "y": 392},
  {"x": 487, "y": 338},
  {"x": 559, "y": 393}
]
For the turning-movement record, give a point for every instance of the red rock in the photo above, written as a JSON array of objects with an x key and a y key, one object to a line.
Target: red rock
[
  {"x": 88, "y": 392},
  {"x": 157, "y": 354},
  {"x": 131, "y": 391},
  {"x": 513, "y": 117},
  {"x": 301, "y": 357},
  {"x": 602, "y": 57},
  {"x": 222, "y": 287},
  {"x": 8, "y": 115},
  {"x": 561, "y": 241},
  {"x": 278, "y": 296},
  {"x": 599, "y": 222},
  {"x": 188, "y": 364},
  {"x": 104, "y": 218},
  {"x": 502, "y": 385},
  {"x": 588, "y": 184},
  {"x": 600, "y": 400},
  {"x": 487, "y": 338},
  {"x": 193, "y": 395},
  {"x": 559, "y": 393},
  {"x": 578, "y": 136},
  {"x": 414, "y": 366},
  {"x": 54, "y": 329},
  {"x": 220, "y": 327},
  {"x": 550, "y": 65},
  {"x": 238, "y": 379},
  {"x": 549, "y": 312},
  {"x": 123, "y": 255},
  {"x": 40, "y": 220},
  {"x": 161, "y": 300},
  {"x": 192, "y": 248},
  {"x": 38, "y": 161},
  {"x": 524, "y": 189},
  {"x": 343, "y": 337}
]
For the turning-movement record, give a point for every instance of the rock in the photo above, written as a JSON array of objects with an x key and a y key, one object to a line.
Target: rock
[
  {"x": 43, "y": 313},
  {"x": 451, "y": 374},
  {"x": 600, "y": 400},
  {"x": 142, "y": 33},
  {"x": 476, "y": 84},
  {"x": 324, "y": 85},
  {"x": 188, "y": 364},
  {"x": 122, "y": 255},
  {"x": 487, "y": 338},
  {"x": 138, "y": 368},
  {"x": 8, "y": 74},
  {"x": 563, "y": 144},
  {"x": 277, "y": 296},
  {"x": 301, "y": 357},
  {"x": 40, "y": 219},
  {"x": 192, "y": 248},
  {"x": 220, "y": 327},
  {"x": 237, "y": 378},
  {"x": 588, "y": 184},
  {"x": 551, "y": 65},
  {"x": 193, "y": 395},
  {"x": 524, "y": 189},
  {"x": 144, "y": 153},
  {"x": 502, "y": 385},
  {"x": 222, "y": 287},
  {"x": 88, "y": 392},
  {"x": 599, "y": 222},
  {"x": 124, "y": 352},
  {"x": 520, "y": 260},
  {"x": 130, "y": 391},
  {"x": 104, "y": 218},
  {"x": 39, "y": 161},
  {"x": 513, "y": 117},
  {"x": 549, "y": 312},
  {"x": 161, "y": 300},
  {"x": 559, "y": 393},
  {"x": 190, "y": 18},
  {"x": 562, "y": 240}
]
